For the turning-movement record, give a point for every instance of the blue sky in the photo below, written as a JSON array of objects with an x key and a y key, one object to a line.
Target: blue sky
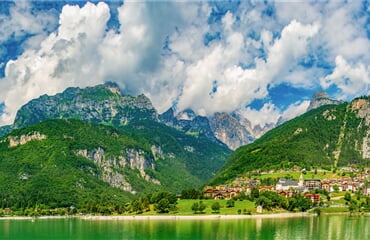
[{"x": 264, "y": 59}]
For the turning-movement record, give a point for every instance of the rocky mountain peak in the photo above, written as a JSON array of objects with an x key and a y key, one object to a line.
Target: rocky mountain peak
[
  {"x": 101, "y": 104},
  {"x": 320, "y": 95},
  {"x": 113, "y": 87},
  {"x": 229, "y": 130},
  {"x": 168, "y": 117},
  {"x": 321, "y": 98}
]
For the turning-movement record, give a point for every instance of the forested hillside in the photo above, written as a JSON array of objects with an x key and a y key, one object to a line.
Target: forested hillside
[
  {"x": 61, "y": 163},
  {"x": 330, "y": 136}
]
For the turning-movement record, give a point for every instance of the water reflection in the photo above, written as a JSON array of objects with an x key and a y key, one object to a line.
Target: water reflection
[{"x": 322, "y": 227}]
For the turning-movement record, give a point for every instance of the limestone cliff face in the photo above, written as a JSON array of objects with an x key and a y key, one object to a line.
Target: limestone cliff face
[
  {"x": 321, "y": 98},
  {"x": 362, "y": 107},
  {"x": 255, "y": 131},
  {"x": 113, "y": 167},
  {"x": 157, "y": 152},
  {"x": 230, "y": 131},
  {"x": 23, "y": 139}
]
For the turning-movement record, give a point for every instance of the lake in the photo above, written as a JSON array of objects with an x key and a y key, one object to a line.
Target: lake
[{"x": 316, "y": 227}]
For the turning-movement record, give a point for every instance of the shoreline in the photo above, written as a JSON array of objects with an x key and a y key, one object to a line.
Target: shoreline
[
  {"x": 177, "y": 217},
  {"x": 197, "y": 217},
  {"x": 164, "y": 217}
]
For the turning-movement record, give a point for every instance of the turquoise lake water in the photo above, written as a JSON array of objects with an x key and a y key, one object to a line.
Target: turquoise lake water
[{"x": 321, "y": 227}]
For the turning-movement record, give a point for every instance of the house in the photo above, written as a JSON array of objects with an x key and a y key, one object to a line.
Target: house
[
  {"x": 287, "y": 194},
  {"x": 218, "y": 196},
  {"x": 315, "y": 198},
  {"x": 286, "y": 184},
  {"x": 209, "y": 192},
  {"x": 229, "y": 194},
  {"x": 221, "y": 192},
  {"x": 325, "y": 185},
  {"x": 312, "y": 184},
  {"x": 349, "y": 186}
]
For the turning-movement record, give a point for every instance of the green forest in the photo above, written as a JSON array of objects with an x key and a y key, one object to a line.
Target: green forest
[{"x": 50, "y": 174}]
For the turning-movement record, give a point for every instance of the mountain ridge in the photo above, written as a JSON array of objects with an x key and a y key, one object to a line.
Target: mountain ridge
[{"x": 106, "y": 104}]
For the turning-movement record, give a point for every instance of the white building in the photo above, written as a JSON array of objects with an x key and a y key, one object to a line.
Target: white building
[{"x": 286, "y": 184}]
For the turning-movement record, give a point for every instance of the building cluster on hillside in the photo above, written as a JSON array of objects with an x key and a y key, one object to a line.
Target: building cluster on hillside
[{"x": 289, "y": 187}]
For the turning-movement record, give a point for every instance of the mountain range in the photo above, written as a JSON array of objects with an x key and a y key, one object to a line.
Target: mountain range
[{"x": 105, "y": 104}]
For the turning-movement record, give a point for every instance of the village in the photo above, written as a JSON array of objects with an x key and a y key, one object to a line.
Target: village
[{"x": 308, "y": 187}]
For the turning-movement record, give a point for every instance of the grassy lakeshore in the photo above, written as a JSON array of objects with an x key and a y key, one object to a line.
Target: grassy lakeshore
[
  {"x": 184, "y": 207},
  {"x": 239, "y": 209}
]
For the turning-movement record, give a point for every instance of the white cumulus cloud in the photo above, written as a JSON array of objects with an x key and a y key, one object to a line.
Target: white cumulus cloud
[{"x": 351, "y": 79}]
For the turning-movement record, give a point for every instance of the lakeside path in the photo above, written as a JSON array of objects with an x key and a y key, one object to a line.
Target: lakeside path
[{"x": 198, "y": 217}]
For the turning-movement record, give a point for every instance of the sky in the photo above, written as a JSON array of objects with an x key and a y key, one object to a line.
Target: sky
[{"x": 263, "y": 59}]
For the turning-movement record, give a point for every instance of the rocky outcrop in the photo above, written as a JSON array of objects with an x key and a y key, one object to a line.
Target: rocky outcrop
[
  {"x": 321, "y": 98},
  {"x": 362, "y": 109},
  {"x": 230, "y": 131},
  {"x": 15, "y": 141},
  {"x": 113, "y": 167},
  {"x": 329, "y": 115},
  {"x": 168, "y": 118},
  {"x": 256, "y": 131},
  {"x": 157, "y": 152},
  {"x": 136, "y": 160}
]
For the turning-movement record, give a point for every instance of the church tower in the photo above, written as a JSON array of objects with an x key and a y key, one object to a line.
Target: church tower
[{"x": 300, "y": 183}]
